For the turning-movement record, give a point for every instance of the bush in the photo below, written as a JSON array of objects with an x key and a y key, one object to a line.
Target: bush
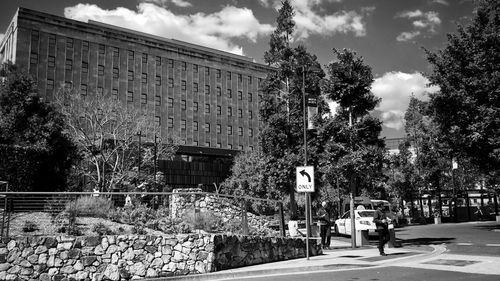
[
  {"x": 30, "y": 226},
  {"x": 102, "y": 229},
  {"x": 92, "y": 206}
]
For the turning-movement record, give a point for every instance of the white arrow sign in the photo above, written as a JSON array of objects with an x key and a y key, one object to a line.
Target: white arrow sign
[{"x": 305, "y": 179}]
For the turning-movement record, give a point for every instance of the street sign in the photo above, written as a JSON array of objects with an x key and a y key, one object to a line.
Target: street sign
[{"x": 305, "y": 179}]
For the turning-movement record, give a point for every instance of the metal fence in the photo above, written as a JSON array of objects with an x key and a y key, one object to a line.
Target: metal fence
[{"x": 88, "y": 213}]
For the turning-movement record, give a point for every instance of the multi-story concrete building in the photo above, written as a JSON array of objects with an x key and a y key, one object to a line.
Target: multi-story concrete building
[{"x": 206, "y": 97}]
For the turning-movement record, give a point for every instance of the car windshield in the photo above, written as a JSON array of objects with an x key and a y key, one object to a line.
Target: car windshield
[{"x": 365, "y": 214}]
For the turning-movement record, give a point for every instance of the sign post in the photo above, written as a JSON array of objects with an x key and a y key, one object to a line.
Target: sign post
[{"x": 305, "y": 183}]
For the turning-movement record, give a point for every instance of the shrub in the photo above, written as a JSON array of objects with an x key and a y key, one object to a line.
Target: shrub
[
  {"x": 30, "y": 226},
  {"x": 102, "y": 229},
  {"x": 93, "y": 206}
]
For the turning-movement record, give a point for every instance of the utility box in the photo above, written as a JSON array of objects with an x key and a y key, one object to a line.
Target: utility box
[{"x": 362, "y": 238}]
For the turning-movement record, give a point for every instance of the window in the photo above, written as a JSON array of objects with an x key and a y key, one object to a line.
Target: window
[
  {"x": 183, "y": 66},
  {"x": 219, "y": 145},
  {"x": 250, "y": 114},
  {"x": 229, "y": 130},
  {"x": 157, "y": 100},
  {"x": 130, "y": 55},
  {"x": 207, "y": 71},
  {"x": 83, "y": 89},
  {"x": 170, "y": 82},
  {"x": 218, "y": 74},
  {"x": 251, "y": 148},
  {"x": 100, "y": 70},
  {"x": 34, "y": 58},
  {"x": 102, "y": 49},
  {"x": 240, "y": 147},
  {"x": 219, "y": 91},
  {"x": 50, "y": 84},
  {"x": 259, "y": 82},
  {"x": 229, "y": 111},
  {"x": 240, "y": 78},
  {"x": 158, "y": 61},
  {"x": 207, "y": 127},
  {"x": 240, "y": 95},
  {"x": 69, "y": 43},
  {"x": 219, "y": 129},
  {"x": 100, "y": 91},
  {"x": 183, "y": 125},
  {"x": 240, "y": 113},
  {"x": 240, "y": 131},
  {"x": 195, "y": 87},
  {"x": 130, "y": 75},
  {"x": 249, "y": 80},
  {"x": 130, "y": 96},
  {"x": 158, "y": 80},
  {"x": 52, "y": 42},
  {"x": 144, "y": 78},
  {"x": 157, "y": 121},
  {"x": 219, "y": 110},
  {"x": 207, "y": 89},
  {"x": 116, "y": 52},
  {"x": 250, "y": 132},
  {"x": 183, "y": 85},
  {"x": 170, "y": 102},
  {"x": 195, "y": 125},
  {"x": 195, "y": 106},
  {"x": 228, "y": 76},
  {"x": 144, "y": 58},
  {"x": 69, "y": 64},
  {"x": 144, "y": 98},
  {"x": 230, "y": 146},
  {"x": 183, "y": 104},
  {"x": 35, "y": 35},
  {"x": 116, "y": 72},
  {"x": 170, "y": 122},
  {"x": 229, "y": 94},
  {"x": 250, "y": 97},
  {"x": 195, "y": 68},
  {"x": 207, "y": 108},
  {"x": 207, "y": 144},
  {"x": 171, "y": 63},
  {"x": 114, "y": 94}
]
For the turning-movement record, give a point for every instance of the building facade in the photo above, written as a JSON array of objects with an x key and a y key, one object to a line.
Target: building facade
[{"x": 209, "y": 99}]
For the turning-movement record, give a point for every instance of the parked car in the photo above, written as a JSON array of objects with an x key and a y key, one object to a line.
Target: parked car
[{"x": 363, "y": 221}]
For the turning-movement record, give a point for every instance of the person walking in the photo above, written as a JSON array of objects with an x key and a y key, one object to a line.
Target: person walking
[
  {"x": 382, "y": 223},
  {"x": 324, "y": 225}
]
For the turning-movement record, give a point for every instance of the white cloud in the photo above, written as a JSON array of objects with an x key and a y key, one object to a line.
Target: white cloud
[
  {"x": 442, "y": 2},
  {"x": 310, "y": 19},
  {"x": 212, "y": 30},
  {"x": 407, "y": 36},
  {"x": 422, "y": 22},
  {"x": 164, "y": 3},
  {"x": 395, "y": 89}
]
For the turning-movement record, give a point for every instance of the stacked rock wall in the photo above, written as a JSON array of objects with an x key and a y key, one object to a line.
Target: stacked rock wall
[{"x": 135, "y": 256}]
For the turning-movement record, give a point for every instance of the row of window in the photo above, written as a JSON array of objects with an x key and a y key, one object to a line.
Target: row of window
[
  {"x": 229, "y": 128},
  {"x": 130, "y": 55}
]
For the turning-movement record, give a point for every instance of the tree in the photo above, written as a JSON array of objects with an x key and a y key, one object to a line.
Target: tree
[
  {"x": 116, "y": 139},
  {"x": 353, "y": 153},
  {"x": 467, "y": 106},
  {"x": 281, "y": 110},
  {"x": 32, "y": 131}
]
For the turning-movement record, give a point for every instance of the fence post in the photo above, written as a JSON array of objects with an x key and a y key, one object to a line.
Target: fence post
[
  {"x": 282, "y": 220},
  {"x": 244, "y": 217}
]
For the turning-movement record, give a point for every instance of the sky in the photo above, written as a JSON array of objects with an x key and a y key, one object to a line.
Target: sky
[{"x": 390, "y": 35}]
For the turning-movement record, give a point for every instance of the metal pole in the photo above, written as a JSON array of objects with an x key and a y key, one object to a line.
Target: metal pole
[
  {"x": 351, "y": 194},
  {"x": 154, "y": 159},
  {"x": 308, "y": 195},
  {"x": 139, "y": 165}
]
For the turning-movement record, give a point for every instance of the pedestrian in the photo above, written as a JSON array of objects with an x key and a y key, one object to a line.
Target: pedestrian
[
  {"x": 324, "y": 225},
  {"x": 293, "y": 227},
  {"x": 382, "y": 223}
]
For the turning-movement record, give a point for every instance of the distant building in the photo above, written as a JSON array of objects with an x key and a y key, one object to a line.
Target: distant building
[{"x": 206, "y": 97}]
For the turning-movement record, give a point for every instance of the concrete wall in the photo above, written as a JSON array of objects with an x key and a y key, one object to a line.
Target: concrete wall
[{"x": 135, "y": 256}]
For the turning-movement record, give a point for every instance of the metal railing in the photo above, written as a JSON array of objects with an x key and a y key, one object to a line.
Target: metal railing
[{"x": 89, "y": 213}]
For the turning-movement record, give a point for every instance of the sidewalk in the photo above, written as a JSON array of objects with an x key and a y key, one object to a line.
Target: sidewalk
[{"x": 341, "y": 257}]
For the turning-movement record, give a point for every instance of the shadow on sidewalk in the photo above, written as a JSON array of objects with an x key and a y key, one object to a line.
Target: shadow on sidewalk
[{"x": 425, "y": 241}]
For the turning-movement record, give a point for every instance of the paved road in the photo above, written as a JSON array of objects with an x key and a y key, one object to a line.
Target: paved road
[
  {"x": 477, "y": 238},
  {"x": 377, "y": 274}
]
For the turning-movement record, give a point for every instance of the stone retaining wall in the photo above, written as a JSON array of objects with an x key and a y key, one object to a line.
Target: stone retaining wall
[{"x": 129, "y": 257}]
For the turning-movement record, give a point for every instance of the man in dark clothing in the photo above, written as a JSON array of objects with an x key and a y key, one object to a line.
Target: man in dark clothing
[
  {"x": 324, "y": 225},
  {"x": 381, "y": 221}
]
